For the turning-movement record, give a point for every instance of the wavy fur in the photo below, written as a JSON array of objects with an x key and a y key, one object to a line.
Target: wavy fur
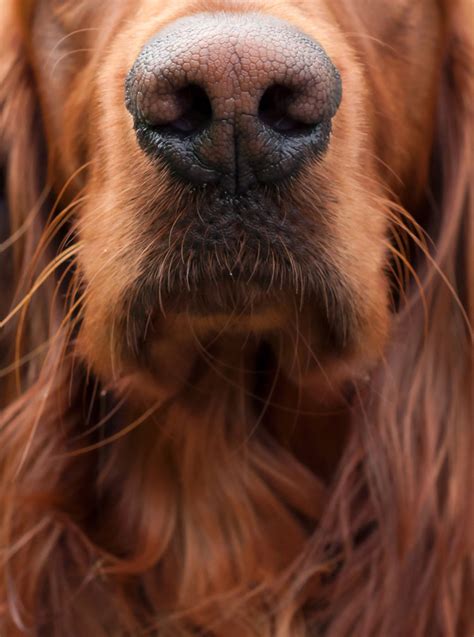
[{"x": 191, "y": 517}]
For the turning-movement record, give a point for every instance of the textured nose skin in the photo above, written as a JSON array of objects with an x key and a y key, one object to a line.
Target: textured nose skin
[{"x": 233, "y": 99}]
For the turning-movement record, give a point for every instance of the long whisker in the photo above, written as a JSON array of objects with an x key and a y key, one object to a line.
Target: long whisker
[
  {"x": 19, "y": 232},
  {"x": 67, "y": 37},
  {"x": 47, "y": 272},
  {"x": 65, "y": 56}
]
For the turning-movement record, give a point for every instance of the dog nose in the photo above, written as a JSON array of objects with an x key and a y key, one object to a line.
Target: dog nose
[{"x": 233, "y": 100}]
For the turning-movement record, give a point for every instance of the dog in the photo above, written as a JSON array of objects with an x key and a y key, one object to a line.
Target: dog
[{"x": 237, "y": 286}]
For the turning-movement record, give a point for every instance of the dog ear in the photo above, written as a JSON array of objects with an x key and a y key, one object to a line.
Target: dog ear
[
  {"x": 23, "y": 162},
  {"x": 452, "y": 179},
  {"x": 29, "y": 424},
  {"x": 442, "y": 358},
  {"x": 427, "y": 410},
  {"x": 413, "y": 441},
  {"x": 20, "y": 129}
]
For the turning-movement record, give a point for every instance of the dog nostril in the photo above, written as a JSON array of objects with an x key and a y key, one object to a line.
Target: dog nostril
[
  {"x": 194, "y": 112},
  {"x": 274, "y": 111},
  {"x": 211, "y": 124}
]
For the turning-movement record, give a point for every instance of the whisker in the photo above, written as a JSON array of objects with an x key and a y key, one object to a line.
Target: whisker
[
  {"x": 19, "y": 232},
  {"x": 50, "y": 269},
  {"x": 65, "y": 56},
  {"x": 67, "y": 37}
]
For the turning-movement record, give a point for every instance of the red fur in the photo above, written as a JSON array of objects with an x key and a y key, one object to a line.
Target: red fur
[{"x": 248, "y": 483}]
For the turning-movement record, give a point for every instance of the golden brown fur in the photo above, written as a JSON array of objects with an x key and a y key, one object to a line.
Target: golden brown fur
[{"x": 242, "y": 481}]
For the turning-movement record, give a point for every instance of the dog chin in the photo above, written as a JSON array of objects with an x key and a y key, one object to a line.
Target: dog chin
[
  {"x": 179, "y": 353},
  {"x": 259, "y": 321}
]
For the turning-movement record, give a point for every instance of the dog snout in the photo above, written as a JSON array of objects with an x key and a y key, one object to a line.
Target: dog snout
[{"x": 232, "y": 99}]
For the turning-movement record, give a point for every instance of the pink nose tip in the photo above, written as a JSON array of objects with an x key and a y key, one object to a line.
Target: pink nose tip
[{"x": 233, "y": 99}]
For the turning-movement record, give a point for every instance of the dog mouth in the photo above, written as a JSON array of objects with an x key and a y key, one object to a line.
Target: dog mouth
[
  {"x": 220, "y": 251},
  {"x": 239, "y": 263},
  {"x": 240, "y": 285},
  {"x": 229, "y": 254}
]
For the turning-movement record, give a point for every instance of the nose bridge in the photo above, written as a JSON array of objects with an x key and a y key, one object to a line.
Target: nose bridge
[
  {"x": 234, "y": 68},
  {"x": 248, "y": 61},
  {"x": 237, "y": 71},
  {"x": 228, "y": 84},
  {"x": 236, "y": 95}
]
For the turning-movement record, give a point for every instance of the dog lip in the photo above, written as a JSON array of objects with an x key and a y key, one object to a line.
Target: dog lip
[
  {"x": 259, "y": 216},
  {"x": 230, "y": 251}
]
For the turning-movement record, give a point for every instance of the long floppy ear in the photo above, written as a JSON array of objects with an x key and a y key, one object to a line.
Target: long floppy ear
[
  {"x": 30, "y": 442},
  {"x": 431, "y": 418},
  {"x": 23, "y": 161},
  {"x": 405, "y": 489},
  {"x": 453, "y": 167},
  {"x": 21, "y": 143},
  {"x": 435, "y": 400},
  {"x": 433, "y": 371}
]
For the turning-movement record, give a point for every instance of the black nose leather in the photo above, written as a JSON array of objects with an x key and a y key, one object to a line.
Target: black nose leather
[{"x": 233, "y": 99}]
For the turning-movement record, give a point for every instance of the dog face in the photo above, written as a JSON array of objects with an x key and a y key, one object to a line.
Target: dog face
[
  {"x": 210, "y": 204},
  {"x": 173, "y": 243}
]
